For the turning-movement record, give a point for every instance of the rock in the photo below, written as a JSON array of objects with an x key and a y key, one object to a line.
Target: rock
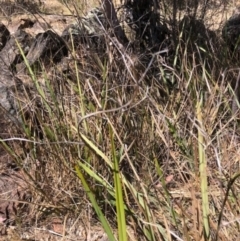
[
  {"x": 89, "y": 30},
  {"x": 10, "y": 54},
  {"x": 231, "y": 31},
  {"x": 46, "y": 48}
]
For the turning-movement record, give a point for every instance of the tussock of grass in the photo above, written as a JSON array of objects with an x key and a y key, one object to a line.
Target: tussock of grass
[{"x": 150, "y": 160}]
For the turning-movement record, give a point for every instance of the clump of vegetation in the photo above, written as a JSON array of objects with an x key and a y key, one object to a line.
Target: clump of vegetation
[{"x": 138, "y": 137}]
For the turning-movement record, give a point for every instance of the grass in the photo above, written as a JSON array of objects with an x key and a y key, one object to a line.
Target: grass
[{"x": 144, "y": 161}]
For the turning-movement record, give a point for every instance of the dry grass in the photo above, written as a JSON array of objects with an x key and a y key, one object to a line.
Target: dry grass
[{"x": 113, "y": 137}]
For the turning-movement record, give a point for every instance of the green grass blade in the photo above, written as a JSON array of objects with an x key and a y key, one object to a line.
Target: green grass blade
[
  {"x": 122, "y": 230},
  {"x": 95, "y": 149},
  {"x": 97, "y": 209},
  {"x": 33, "y": 77},
  {"x": 89, "y": 170}
]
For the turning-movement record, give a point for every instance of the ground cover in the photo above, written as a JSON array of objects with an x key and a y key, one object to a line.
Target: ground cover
[{"x": 124, "y": 142}]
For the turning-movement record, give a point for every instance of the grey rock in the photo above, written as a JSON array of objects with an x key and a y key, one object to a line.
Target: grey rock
[
  {"x": 46, "y": 47},
  {"x": 11, "y": 53},
  {"x": 89, "y": 30}
]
